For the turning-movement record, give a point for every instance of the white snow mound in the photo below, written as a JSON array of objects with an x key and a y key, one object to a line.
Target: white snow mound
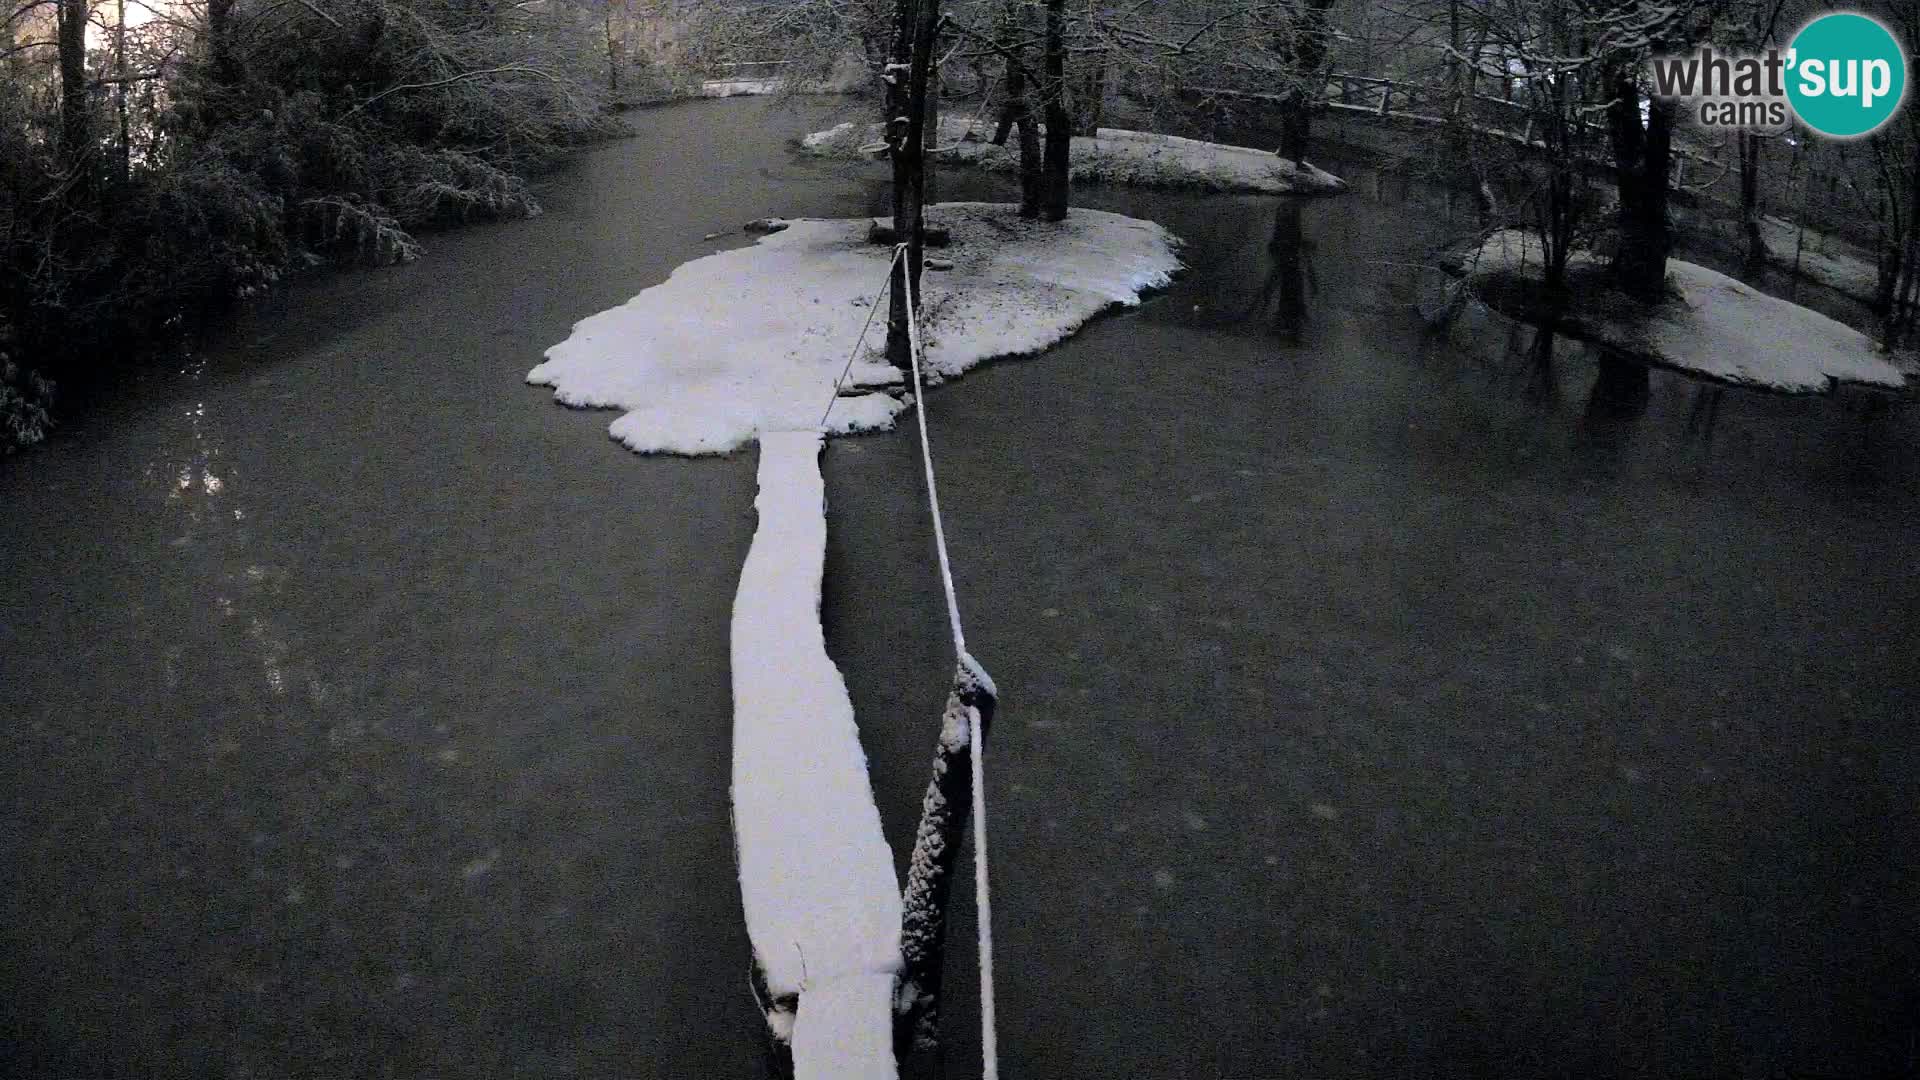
[
  {"x": 751, "y": 340},
  {"x": 1109, "y": 156}
]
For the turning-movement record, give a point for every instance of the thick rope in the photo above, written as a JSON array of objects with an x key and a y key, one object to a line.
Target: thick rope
[
  {"x": 926, "y": 456},
  {"x": 989, "y": 1043}
]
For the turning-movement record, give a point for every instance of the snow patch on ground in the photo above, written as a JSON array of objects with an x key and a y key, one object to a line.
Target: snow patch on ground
[
  {"x": 1111, "y": 156},
  {"x": 751, "y": 340},
  {"x": 1717, "y": 326},
  {"x": 816, "y": 877},
  {"x": 720, "y": 88},
  {"x": 1829, "y": 260}
]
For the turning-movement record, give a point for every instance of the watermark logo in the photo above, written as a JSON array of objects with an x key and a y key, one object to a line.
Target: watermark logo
[
  {"x": 1850, "y": 75},
  {"x": 1843, "y": 75}
]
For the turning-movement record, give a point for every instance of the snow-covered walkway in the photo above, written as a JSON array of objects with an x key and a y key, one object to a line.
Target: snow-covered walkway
[{"x": 816, "y": 877}]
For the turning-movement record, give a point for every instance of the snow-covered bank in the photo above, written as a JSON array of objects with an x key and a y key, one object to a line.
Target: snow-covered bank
[
  {"x": 720, "y": 88},
  {"x": 816, "y": 877},
  {"x": 1829, "y": 260},
  {"x": 751, "y": 340},
  {"x": 1113, "y": 156},
  {"x": 1716, "y": 326}
]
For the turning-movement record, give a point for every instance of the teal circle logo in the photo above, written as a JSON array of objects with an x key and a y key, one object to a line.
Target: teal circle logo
[{"x": 1846, "y": 75}]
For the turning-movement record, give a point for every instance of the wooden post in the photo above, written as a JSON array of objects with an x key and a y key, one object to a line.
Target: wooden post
[
  {"x": 936, "y": 848},
  {"x": 1057, "y": 188}
]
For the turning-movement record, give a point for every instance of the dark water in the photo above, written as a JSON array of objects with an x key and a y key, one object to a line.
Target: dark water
[{"x": 1371, "y": 707}]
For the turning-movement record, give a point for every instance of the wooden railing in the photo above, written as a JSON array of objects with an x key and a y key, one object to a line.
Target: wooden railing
[{"x": 1498, "y": 117}]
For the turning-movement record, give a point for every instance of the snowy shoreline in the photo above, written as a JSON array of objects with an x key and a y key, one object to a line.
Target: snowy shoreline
[
  {"x": 753, "y": 339},
  {"x": 1717, "y": 327},
  {"x": 1113, "y": 156}
]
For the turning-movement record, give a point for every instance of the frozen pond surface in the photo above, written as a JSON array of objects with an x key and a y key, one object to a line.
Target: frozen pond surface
[{"x": 1367, "y": 711}]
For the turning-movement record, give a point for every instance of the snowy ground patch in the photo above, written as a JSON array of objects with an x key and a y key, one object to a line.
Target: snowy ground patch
[
  {"x": 1113, "y": 156},
  {"x": 1716, "y": 326},
  {"x": 751, "y": 340},
  {"x": 720, "y": 88},
  {"x": 1829, "y": 260},
  {"x": 816, "y": 877}
]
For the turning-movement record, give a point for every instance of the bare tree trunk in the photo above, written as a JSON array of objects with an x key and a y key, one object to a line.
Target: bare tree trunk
[
  {"x": 909, "y": 174},
  {"x": 1303, "y": 46},
  {"x": 1032, "y": 179},
  {"x": 125, "y": 155},
  {"x": 895, "y": 103},
  {"x": 1899, "y": 283},
  {"x": 930, "y": 178},
  {"x": 919, "y": 107},
  {"x": 1750, "y": 157},
  {"x": 76, "y": 134},
  {"x": 1057, "y": 189},
  {"x": 1090, "y": 97},
  {"x": 226, "y": 63},
  {"x": 613, "y": 56},
  {"x": 1750, "y": 197},
  {"x": 1018, "y": 113},
  {"x": 1642, "y": 158},
  {"x": 1453, "y": 57},
  {"x": 1901, "y": 318},
  {"x": 895, "y": 127}
]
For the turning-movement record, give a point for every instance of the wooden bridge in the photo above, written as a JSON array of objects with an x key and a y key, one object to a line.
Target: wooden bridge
[{"x": 1438, "y": 106}]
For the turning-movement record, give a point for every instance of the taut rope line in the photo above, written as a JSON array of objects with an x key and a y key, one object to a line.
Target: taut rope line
[{"x": 989, "y": 1043}]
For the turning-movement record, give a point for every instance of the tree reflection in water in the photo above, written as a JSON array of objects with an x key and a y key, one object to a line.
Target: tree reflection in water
[{"x": 1290, "y": 272}]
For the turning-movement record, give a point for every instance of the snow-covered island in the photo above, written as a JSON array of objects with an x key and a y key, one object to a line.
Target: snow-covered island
[
  {"x": 751, "y": 344},
  {"x": 1112, "y": 156},
  {"x": 1713, "y": 326},
  {"x": 753, "y": 339}
]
